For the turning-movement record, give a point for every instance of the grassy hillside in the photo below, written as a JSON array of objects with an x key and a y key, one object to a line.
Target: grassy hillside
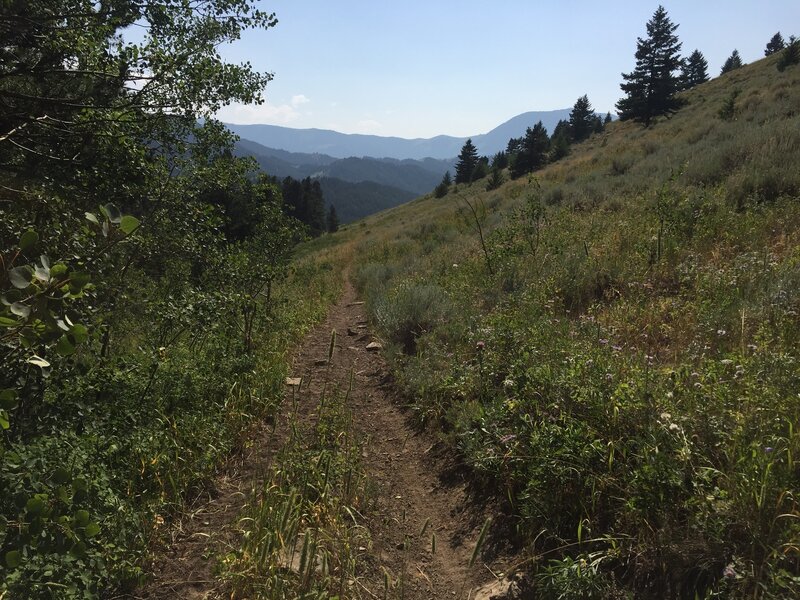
[{"x": 613, "y": 345}]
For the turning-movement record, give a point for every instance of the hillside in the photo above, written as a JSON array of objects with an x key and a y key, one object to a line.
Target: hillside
[
  {"x": 341, "y": 145},
  {"x": 614, "y": 344},
  {"x": 357, "y": 187}
]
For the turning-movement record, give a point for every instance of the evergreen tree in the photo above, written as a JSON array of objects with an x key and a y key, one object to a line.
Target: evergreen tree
[
  {"x": 481, "y": 169},
  {"x": 500, "y": 160},
  {"x": 315, "y": 206},
  {"x": 608, "y": 119},
  {"x": 514, "y": 145},
  {"x": 695, "y": 70},
  {"x": 581, "y": 119},
  {"x": 650, "y": 89},
  {"x": 467, "y": 161},
  {"x": 495, "y": 179},
  {"x": 776, "y": 44},
  {"x": 733, "y": 62},
  {"x": 332, "y": 219},
  {"x": 440, "y": 191},
  {"x": 560, "y": 140},
  {"x": 790, "y": 55},
  {"x": 533, "y": 153}
]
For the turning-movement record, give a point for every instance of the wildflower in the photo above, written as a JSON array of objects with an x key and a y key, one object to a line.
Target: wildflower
[
  {"x": 480, "y": 345},
  {"x": 509, "y": 383},
  {"x": 726, "y": 361},
  {"x": 665, "y": 416},
  {"x": 674, "y": 427},
  {"x": 768, "y": 449},
  {"x": 603, "y": 341},
  {"x": 729, "y": 572}
]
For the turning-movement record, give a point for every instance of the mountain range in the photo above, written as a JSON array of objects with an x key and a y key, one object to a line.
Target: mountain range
[
  {"x": 363, "y": 174},
  {"x": 344, "y": 145}
]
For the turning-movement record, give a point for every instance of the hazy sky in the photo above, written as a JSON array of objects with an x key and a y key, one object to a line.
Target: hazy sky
[{"x": 462, "y": 67}]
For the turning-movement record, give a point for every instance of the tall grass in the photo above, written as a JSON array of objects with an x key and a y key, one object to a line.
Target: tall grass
[{"x": 634, "y": 392}]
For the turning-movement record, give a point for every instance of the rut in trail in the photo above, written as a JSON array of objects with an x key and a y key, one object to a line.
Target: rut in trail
[{"x": 418, "y": 488}]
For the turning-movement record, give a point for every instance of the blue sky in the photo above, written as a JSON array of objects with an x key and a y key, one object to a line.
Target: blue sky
[{"x": 462, "y": 67}]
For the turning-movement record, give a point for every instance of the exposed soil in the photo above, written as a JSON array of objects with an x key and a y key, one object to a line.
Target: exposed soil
[{"x": 416, "y": 480}]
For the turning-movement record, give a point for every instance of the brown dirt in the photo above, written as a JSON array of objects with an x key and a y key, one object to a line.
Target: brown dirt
[{"x": 416, "y": 479}]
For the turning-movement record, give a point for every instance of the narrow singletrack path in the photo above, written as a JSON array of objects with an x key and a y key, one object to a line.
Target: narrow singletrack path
[{"x": 420, "y": 491}]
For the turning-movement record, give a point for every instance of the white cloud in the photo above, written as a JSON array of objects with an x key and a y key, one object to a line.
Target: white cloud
[{"x": 270, "y": 114}]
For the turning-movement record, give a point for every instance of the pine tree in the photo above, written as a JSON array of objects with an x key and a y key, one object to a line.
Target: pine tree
[
  {"x": 560, "y": 140},
  {"x": 467, "y": 161},
  {"x": 481, "y": 169},
  {"x": 533, "y": 153},
  {"x": 581, "y": 119},
  {"x": 733, "y": 62},
  {"x": 790, "y": 55},
  {"x": 495, "y": 179},
  {"x": 695, "y": 70},
  {"x": 776, "y": 44},
  {"x": 650, "y": 89},
  {"x": 608, "y": 119},
  {"x": 332, "y": 219},
  {"x": 500, "y": 160},
  {"x": 440, "y": 191}
]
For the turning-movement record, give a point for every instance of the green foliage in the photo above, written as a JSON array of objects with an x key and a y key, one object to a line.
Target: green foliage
[
  {"x": 651, "y": 87},
  {"x": 140, "y": 267},
  {"x": 467, "y": 162},
  {"x": 332, "y": 220},
  {"x": 303, "y": 201},
  {"x": 624, "y": 374},
  {"x": 581, "y": 119},
  {"x": 301, "y": 532},
  {"x": 532, "y": 151},
  {"x": 790, "y": 55},
  {"x": 775, "y": 44},
  {"x": 443, "y": 188},
  {"x": 728, "y": 110},
  {"x": 496, "y": 179},
  {"x": 733, "y": 62},
  {"x": 694, "y": 70}
]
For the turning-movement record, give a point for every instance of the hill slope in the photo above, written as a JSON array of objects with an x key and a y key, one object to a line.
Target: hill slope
[{"x": 615, "y": 345}]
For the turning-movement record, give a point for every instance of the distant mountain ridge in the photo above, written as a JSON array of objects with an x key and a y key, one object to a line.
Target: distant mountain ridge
[{"x": 344, "y": 145}]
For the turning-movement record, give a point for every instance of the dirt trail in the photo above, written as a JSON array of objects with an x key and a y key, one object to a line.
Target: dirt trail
[{"x": 417, "y": 484}]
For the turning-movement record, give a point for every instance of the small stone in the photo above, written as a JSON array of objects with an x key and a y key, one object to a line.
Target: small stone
[
  {"x": 351, "y": 331},
  {"x": 374, "y": 347},
  {"x": 294, "y": 381}
]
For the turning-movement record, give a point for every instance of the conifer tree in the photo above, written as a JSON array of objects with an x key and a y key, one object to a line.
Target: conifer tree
[
  {"x": 790, "y": 55},
  {"x": 776, "y": 44},
  {"x": 734, "y": 61},
  {"x": 608, "y": 119},
  {"x": 533, "y": 151},
  {"x": 332, "y": 219},
  {"x": 581, "y": 119},
  {"x": 467, "y": 161},
  {"x": 650, "y": 89},
  {"x": 560, "y": 140},
  {"x": 695, "y": 70},
  {"x": 440, "y": 191}
]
